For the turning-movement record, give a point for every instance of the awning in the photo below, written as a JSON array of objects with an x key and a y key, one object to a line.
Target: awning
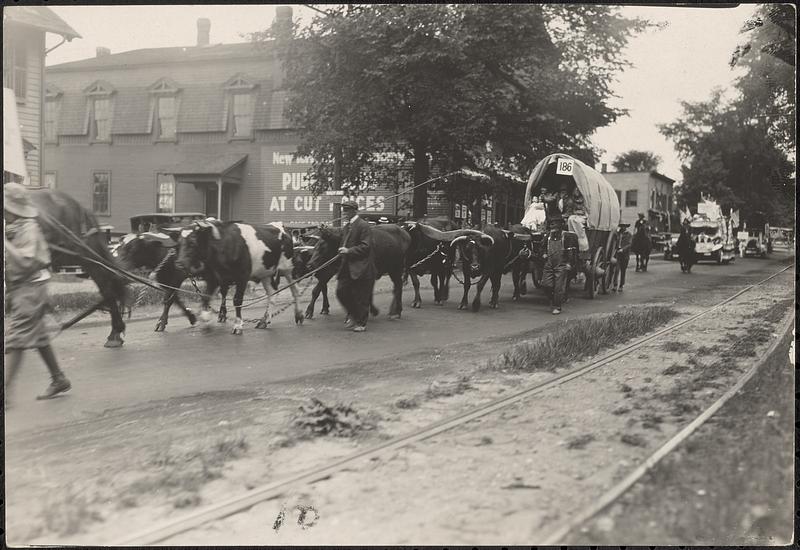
[
  {"x": 39, "y": 17},
  {"x": 196, "y": 167}
]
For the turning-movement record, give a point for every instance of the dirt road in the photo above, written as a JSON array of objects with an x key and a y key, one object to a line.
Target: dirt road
[{"x": 138, "y": 412}]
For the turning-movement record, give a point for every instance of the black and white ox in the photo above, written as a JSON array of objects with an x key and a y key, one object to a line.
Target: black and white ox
[{"x": 235, "y": 253}]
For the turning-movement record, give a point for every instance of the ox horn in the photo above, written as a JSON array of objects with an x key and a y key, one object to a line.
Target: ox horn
[
  {"x": 485, "y": 237},
  {"x": 302, "y": 248},
  {"x": 433, "y": 233},
  {"x": 458, "y": 240}
]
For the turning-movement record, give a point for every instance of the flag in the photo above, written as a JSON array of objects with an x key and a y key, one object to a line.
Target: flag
[{"x": 735, "y": 218}]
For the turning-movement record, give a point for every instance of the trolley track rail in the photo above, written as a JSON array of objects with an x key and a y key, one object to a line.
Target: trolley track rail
[{"x": 227, "y": 507}]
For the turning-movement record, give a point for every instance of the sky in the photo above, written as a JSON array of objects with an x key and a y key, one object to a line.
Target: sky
[{"x": 683, "y": 61}]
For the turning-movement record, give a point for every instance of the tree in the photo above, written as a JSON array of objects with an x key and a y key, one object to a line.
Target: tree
[
  {"x": 438, "y": 82},
  {"x": 768, "y": 86},
  {"x": 636, "y": 161},
  {"x": 732, "y": 159}
]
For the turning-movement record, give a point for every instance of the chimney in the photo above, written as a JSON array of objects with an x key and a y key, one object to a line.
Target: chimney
[
  {"x": 603, "y": 168},
  {"x": 283, "y": 17},
  {"x": 102, "y": 52},
  {"x": 203, "y": 31}
]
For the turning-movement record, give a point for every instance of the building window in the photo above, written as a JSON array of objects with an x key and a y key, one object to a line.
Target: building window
[
  {"x": 166, "y": 117},
  {"x": 102, "y": 119},
  {"x": 242, "y": 115},
  {"x": 50, "y": 180},
  {"x": 14, "y": 69},
  {"x": 631, "y": 197},
  {"x": 165, "y": 194},
  {"x": 101, "y": 193},
  {"x": 50, "y": 117}
]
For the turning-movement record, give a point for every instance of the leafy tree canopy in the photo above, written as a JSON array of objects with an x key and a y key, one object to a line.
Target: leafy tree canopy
[
  {"x": 438, "y": 83},
  {"x": 636, "y": 161},
  {"x": 732, "y": 159},
  {"x": 768, "y": 55}
]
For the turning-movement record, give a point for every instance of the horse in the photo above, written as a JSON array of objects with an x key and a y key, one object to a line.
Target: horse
[
  {"x": 642, "y": 246},
  {"x": 74, "y": 238},
  {"x": 685, "y": 246}
]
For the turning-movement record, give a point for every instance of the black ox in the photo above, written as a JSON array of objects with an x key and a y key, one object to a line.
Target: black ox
[
  {"x": 526, "y": 256},
  {"x": 75, "y": 239},
  {"x": 235, "y": 253},
  {"x": 391, "y": 244},
  {"x": 429, "y": 255}
]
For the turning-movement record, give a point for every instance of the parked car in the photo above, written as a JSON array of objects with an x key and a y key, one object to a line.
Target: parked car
[
  {"x": 671, "y": 246},
  {"x": 154, "y": 222},
  {"x": 757, "y": 244}
]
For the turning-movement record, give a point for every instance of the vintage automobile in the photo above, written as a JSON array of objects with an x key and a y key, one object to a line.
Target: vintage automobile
[
  {"x": 710, "y": 240},
  {"x": 154, "y": 222},
  {"x": 756, "y": 244},
  {"x": 670, "y": 247}
]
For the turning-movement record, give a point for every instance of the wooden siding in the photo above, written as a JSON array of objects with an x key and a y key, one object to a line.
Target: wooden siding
[{"x": 30, "y": 110}]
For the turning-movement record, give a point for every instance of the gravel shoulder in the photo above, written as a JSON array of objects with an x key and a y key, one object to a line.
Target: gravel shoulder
[
  {"x": 730, "y": 483},
  {"x": 506, "y": 478}
]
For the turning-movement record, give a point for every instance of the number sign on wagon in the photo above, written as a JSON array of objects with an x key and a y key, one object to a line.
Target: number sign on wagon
[{"x": 564, "y": 167}]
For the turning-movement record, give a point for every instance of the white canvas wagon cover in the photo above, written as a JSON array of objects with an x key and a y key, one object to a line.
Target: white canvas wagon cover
[{"x": 600, "y": 200}]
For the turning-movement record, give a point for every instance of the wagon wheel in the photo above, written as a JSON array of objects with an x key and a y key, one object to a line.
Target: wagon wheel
[{"x": 591, "y": 280}]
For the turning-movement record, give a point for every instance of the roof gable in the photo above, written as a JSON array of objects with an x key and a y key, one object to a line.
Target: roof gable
[
  {"x": 240, "y": 82},
  {"x": 99, "y": 87},
  {"x": 164, "y": 85}
]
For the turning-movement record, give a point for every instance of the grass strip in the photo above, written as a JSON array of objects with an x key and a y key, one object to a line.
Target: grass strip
[{"x": 576, "y": 340}]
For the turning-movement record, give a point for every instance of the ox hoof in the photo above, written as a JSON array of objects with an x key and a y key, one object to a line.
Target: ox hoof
[
  {"x": 416, "y": 305},
  {"x": 237, "y": 331},
  {"x": 394, "y": 316},
  {"x": 192, "y": 319},
  {"x": 160, "y": 328},
  {"x": 493, "y": 306},
  {"x": 462, "y": 306},
  {"x": 261, "y": 324},
  {"x": 324, "y": 312},
  {"x": 515, "y": 298},
  {"x": 299, "y": 318},
  {"x": 309, "y": 315},
  {"x": 113, "y": 343}
]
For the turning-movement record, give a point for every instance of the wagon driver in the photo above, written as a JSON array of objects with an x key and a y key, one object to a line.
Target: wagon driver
[
  {"x": 27, "y": 258},
  {"x": 357, "y": 273}
]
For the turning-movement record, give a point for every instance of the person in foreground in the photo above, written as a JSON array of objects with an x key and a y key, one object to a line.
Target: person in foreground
[
  {"x": 556, "y": 266},
  {"x": 27, "y": 258},
  {"x": 356, "y": 277}
]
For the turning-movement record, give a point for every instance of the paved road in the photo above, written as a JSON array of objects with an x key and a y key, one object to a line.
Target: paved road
[{"x": 184, "y": 361}]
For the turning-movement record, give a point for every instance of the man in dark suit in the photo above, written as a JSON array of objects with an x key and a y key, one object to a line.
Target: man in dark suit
[
  {"x": 356, "y": 277},
  {"x": 622, "y": 255}
]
